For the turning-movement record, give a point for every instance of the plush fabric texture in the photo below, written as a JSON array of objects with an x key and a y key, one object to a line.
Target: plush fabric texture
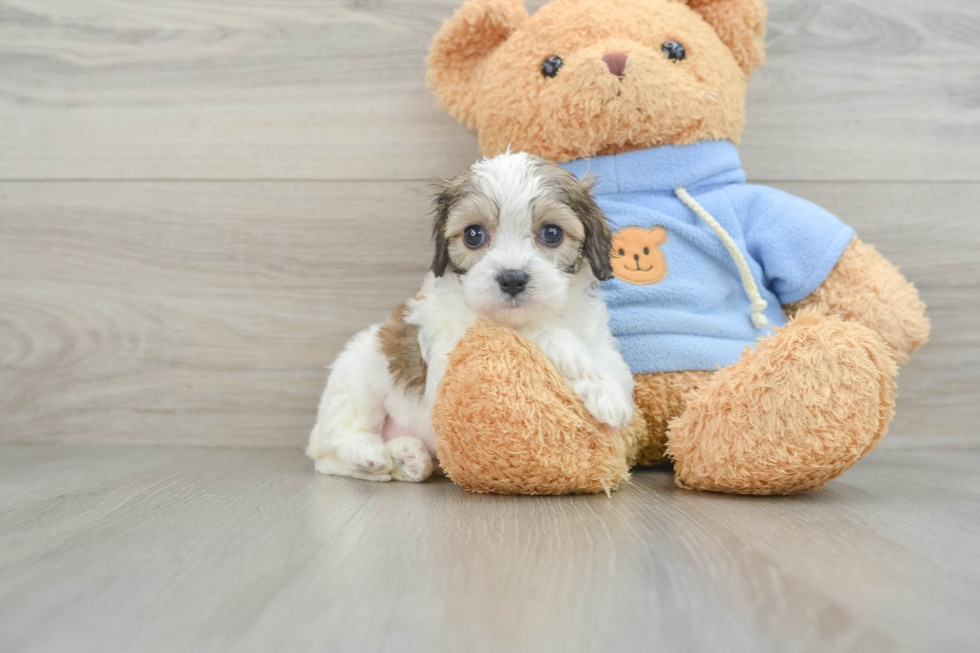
[
  {"x": 485, "y": 69},
  {"x": 864, "y": 287},
  {"x": 698, "y": 317},
  {"x": 740, "y": 24},
  {"x": 508, "y": 423},
  {"x": 784, "y": 414},
  {"x": 460, "y": 49},
  {"x": 662, "y": 397},
  {"x": 796, "y": 412}
]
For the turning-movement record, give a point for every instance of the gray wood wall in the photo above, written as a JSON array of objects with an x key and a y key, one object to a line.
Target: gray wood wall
[{"x": 200, "y": 202}]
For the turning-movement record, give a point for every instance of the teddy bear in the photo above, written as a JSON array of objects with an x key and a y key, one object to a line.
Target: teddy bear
[{"x": 763, "y": 335}]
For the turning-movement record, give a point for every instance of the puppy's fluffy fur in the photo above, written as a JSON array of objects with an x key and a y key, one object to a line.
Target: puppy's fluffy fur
[{"x": 498, "y": 257}]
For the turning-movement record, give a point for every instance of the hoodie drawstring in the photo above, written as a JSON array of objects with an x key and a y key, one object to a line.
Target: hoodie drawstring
[{"x": 759, "y": 305}]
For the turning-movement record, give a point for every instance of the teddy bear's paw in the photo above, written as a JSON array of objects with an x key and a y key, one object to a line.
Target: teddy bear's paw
[
  {"x": 364, "y": 453},
  {"x": 411, "y": 460},
  {"x": 605, "y": 400}
]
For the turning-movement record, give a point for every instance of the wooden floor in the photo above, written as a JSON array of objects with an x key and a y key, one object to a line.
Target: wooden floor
[
  {"x": 187, "y": 549},
  {"x": 201, "y": 201}
]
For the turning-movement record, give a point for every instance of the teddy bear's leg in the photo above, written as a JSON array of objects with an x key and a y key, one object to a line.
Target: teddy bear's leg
[
  {"x": 864, "y": 287},
  {"x": 796, "y": 412},
  {"x": 662, "y": 397},
  {"x": 508, "y": 423}
]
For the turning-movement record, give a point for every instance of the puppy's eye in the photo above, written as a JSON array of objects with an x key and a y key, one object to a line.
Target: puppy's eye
[
  {"x": 550, "y": 66},
  {"x": 474, "y": 236},
  {"x": 674, "y": 50},
  {"x": 552, "y": 235}
]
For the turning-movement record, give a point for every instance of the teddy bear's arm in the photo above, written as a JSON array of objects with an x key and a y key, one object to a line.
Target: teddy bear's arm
[{"x": 865, "y": 287}]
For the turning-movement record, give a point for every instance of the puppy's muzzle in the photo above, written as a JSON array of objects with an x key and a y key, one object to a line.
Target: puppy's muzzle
[{"x": 513, "y": 282}]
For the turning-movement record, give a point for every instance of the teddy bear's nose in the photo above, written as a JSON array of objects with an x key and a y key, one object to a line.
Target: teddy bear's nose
[{"x": 616, "y": 61}]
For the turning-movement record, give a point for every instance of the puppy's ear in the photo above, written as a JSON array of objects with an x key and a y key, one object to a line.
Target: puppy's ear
[
  {"x": 447, "y": 195},
  {"x": 461, "y": 48},
  {"x": 741, "y": 24},
  {"x": 598, "y": 239}
]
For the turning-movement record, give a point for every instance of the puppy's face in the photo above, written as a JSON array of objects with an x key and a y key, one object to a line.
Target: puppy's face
[{"x": 517, "y": 230}]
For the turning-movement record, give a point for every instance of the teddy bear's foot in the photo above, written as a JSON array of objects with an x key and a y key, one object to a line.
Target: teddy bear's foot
[
  {"x": 798, "y": 411},
  {"x": 508, "y": 423}
]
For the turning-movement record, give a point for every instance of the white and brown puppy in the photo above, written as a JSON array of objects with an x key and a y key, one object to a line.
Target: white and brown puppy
[{"x": 519, "y": 242}]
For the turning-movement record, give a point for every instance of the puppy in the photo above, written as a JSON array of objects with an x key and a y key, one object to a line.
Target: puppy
[{"x": 518, "y": 242}]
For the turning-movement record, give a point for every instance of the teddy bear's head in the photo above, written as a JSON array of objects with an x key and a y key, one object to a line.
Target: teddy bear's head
[{"x": 584, "y": 78}]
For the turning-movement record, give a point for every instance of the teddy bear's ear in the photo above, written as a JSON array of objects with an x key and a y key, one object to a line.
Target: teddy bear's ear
[
  {"x": 461, "y": 48},
  {"x": 741, "y": 24}
]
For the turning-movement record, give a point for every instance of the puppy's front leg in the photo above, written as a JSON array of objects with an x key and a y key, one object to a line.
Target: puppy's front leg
[
  {"x": 566, "y": 352},
  {"x": 601, "y": 392}
]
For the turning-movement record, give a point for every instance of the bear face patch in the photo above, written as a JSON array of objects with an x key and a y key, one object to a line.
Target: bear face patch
[{"x": 636, "y": 255}]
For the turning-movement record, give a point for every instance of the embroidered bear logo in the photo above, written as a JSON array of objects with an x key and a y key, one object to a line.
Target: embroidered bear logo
[{"x": 636, "y": 255}]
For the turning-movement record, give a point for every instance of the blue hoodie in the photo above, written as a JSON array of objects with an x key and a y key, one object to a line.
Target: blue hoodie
[{"x": 698, "y": 314}]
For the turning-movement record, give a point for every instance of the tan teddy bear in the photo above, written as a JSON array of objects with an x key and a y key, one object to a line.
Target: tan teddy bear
[{"x": 762, "y": 333}]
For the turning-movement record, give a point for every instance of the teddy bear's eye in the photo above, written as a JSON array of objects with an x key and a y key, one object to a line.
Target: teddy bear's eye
[
  {"x": 474, "y": 236},
  {"x": 674, "y": 50},
  {"x": 646, "y": 251},
  {"x": 622, "y": 252},
  {"x": 550, "y": 66}
]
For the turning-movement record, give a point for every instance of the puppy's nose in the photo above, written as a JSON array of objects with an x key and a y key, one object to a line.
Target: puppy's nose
[
  {"x": 616, "y": 61},
  {"x": 513, "y": 282}
]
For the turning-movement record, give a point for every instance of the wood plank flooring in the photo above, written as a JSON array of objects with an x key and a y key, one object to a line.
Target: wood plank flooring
[
  {"x": 187, "y": 549},
  {"x": 201, "y": 201}
]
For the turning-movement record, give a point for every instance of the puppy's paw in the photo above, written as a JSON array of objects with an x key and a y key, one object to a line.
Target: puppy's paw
[
  {"x": 605, "y": 400},
  {"x": 365, "y": 453},
  {"x": 411, "y": 459},
  {"x": 332, "y": 466}
]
